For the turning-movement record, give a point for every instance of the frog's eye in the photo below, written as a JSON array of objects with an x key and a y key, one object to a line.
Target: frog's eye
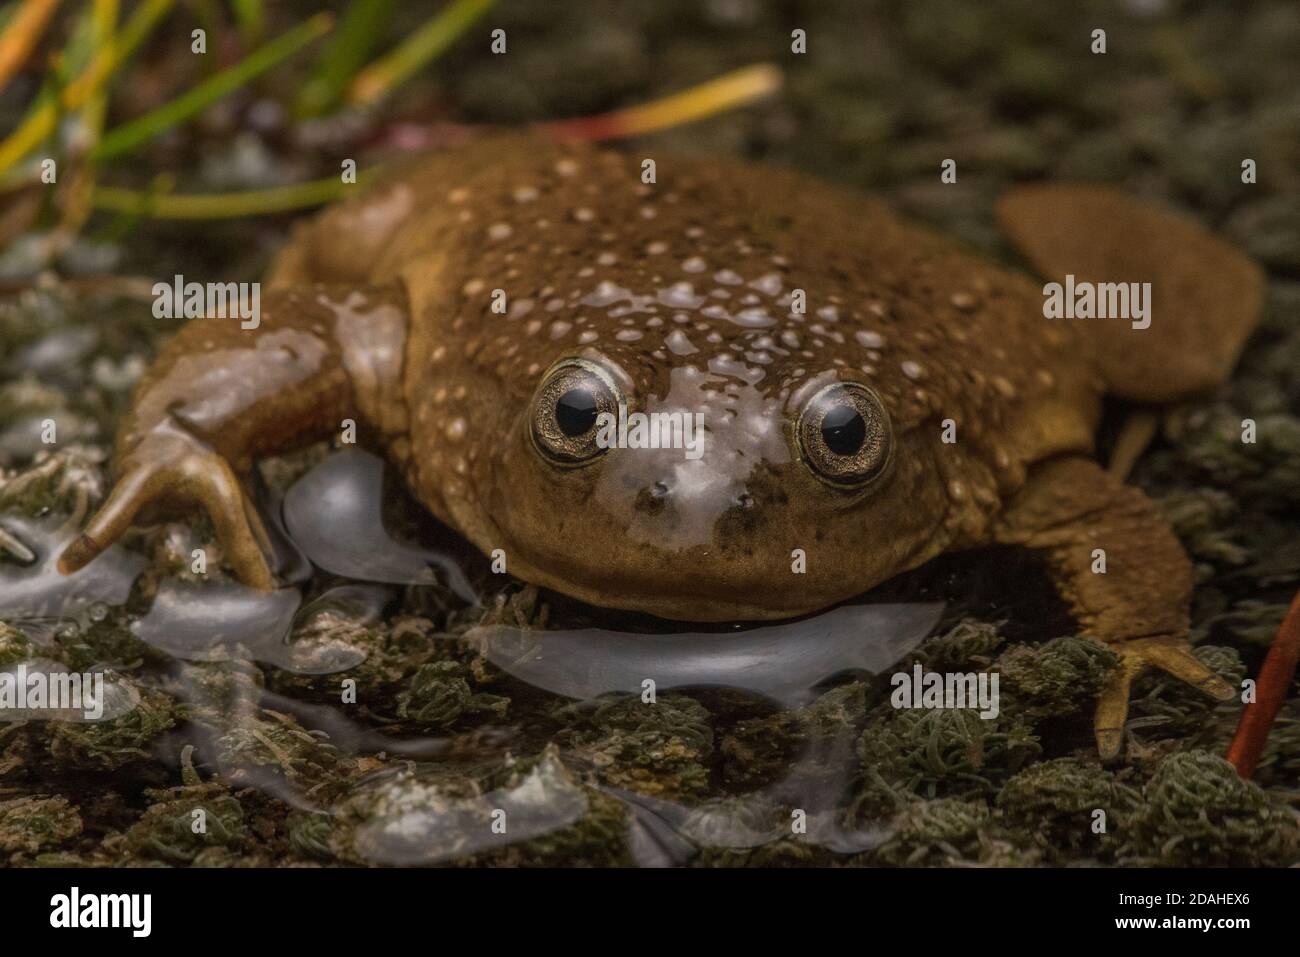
[
  {"x": 844, "y": 435},
  {"x": 567, "y": 408}
]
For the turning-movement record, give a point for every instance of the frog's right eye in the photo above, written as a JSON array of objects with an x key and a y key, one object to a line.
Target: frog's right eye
[{"x": 566, "y": 412}]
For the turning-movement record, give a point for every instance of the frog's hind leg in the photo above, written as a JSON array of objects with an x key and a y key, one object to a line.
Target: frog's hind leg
[
  {"x": 1204, "y": 296},
  {"x": 1121, "y": 569}
]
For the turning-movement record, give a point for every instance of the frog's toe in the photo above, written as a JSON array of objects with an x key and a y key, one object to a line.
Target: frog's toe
[
  {"x": 1178, "y": 660},
  {"x": 1174, "y": 657},
  {"x": 239, "y": 528},
  {"x": 129, "y": 495},
  {"x": 1112, "y": 707},
  {"x": 177, "y": 473}
]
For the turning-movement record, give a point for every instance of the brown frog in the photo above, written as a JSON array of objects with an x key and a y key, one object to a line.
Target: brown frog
[{"x": 870, "y": 394}]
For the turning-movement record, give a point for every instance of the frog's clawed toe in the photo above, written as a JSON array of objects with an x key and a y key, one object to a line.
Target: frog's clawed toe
[
  {"x": 1174, "y": 657},
  {"x": 165, "y": 470}
]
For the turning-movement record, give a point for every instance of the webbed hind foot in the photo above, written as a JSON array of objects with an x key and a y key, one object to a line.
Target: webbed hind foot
[{"x": 1171, "y": 655}]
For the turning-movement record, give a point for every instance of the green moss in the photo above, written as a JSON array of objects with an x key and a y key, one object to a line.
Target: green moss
[
  {"x": 950, "y": 752},
  {"x": 1059, "y": 677},
  {"x": 660, "y": 749},
  {"x": 439, "y": 694},
  {"x": 32, "y": 824},
  {"x": 1056, "y": 802},
  {"x": 1195, "y": 810},
  {"x": 112, "y": 745},
  {"x": 947, "y": 831}
]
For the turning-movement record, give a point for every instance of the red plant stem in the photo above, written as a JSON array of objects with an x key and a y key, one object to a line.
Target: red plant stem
[{"x": 1271, "y": 687}]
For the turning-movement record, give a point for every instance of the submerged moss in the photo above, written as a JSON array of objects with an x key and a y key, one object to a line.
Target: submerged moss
[
  {"x": 32, "y": 824},
  {"x": 439, "y": 694},
  {"x": 184, "y": 821},
  {"x": 661, "y": 749},
  {"x": 112, "y": 745}
]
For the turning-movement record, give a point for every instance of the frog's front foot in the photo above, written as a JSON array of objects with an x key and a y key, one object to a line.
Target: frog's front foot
[
  {"x": 1168, "y": 654},
  {"x": 168, "y": 467}
]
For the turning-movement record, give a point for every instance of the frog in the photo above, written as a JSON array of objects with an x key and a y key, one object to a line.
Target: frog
[{"x": 871, "y": 393}]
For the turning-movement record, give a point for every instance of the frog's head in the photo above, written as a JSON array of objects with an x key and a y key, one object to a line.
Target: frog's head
[{"x": 764, "y": 493}]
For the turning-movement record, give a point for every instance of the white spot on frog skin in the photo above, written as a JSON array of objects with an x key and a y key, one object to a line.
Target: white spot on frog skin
[
  {"x": 607, "y": 259},
  {"x": 790, "y": 338},
  {"x": 456, "y": 429},
  {"x": 473, "y": 287},
  {"x": 727, "y": 366},
  {"x": 533, "y": 326},
  {"x": 694, "y": 264},
  {"x": 583, "y": 215},
  {"x": 727, "y": 277},
  {"x": 912, "y": 369},
  {"x": 965, "y": 301},
  {"x": 627, "y": 335},
  {"x": 648, "y": 212},
  {"x": 769, "y": 284},
  {"x": 869, "y": 339},
  {"x": 606, "y": 293},
  {"x": 695, "y": 232},
  {"x": 566, "y": 167},
  {"x": 500, "y": 231},
  {"x": 525, "y": 194},
  {"x": 956, "y": 490},
  {"x": 458, "y": 196},
  {"x": 588, "y": 337},
  {"x": 678, "y": 342},
  {"x": 680, "y": 295},
  {"x": 520, "y": 308},
  {"x": 656, "y": 248},
  {"x": 755, "y": 317},
  {"x": 828, "y": 313}
]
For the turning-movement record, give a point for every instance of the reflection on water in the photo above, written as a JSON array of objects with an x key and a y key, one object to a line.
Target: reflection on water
[
  {"x": 784, "y": 662},
  {"x": 390, "y": 795},
  {"x": 413, "y": 820},
  {"x": 35, "y": 589}
]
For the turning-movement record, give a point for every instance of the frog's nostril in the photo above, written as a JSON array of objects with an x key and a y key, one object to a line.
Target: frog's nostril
[
  {"x": 653, "y": 498},
  {"x": 744, "y": 500}
]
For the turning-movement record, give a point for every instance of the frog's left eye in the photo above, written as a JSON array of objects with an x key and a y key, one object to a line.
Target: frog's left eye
[
  {"x": 566, "y": 411},
  {"x": 844, "y": 435}
]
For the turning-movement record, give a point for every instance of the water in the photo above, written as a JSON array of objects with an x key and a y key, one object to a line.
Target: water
[{"x": 436, "y": 798}]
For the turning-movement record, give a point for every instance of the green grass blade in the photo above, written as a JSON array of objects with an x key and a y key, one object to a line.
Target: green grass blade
[
  {"x": 132, "y": 135},
  {"x": 420, "y": 48},
  {"x": 258, "y": 202},
  {"x": 345, "y": 54}
]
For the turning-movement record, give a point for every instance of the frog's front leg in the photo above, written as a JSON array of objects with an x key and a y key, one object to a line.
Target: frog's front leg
[
  {"x": 219, "y": 395},
  {"x": 1122, "y": 570}
]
